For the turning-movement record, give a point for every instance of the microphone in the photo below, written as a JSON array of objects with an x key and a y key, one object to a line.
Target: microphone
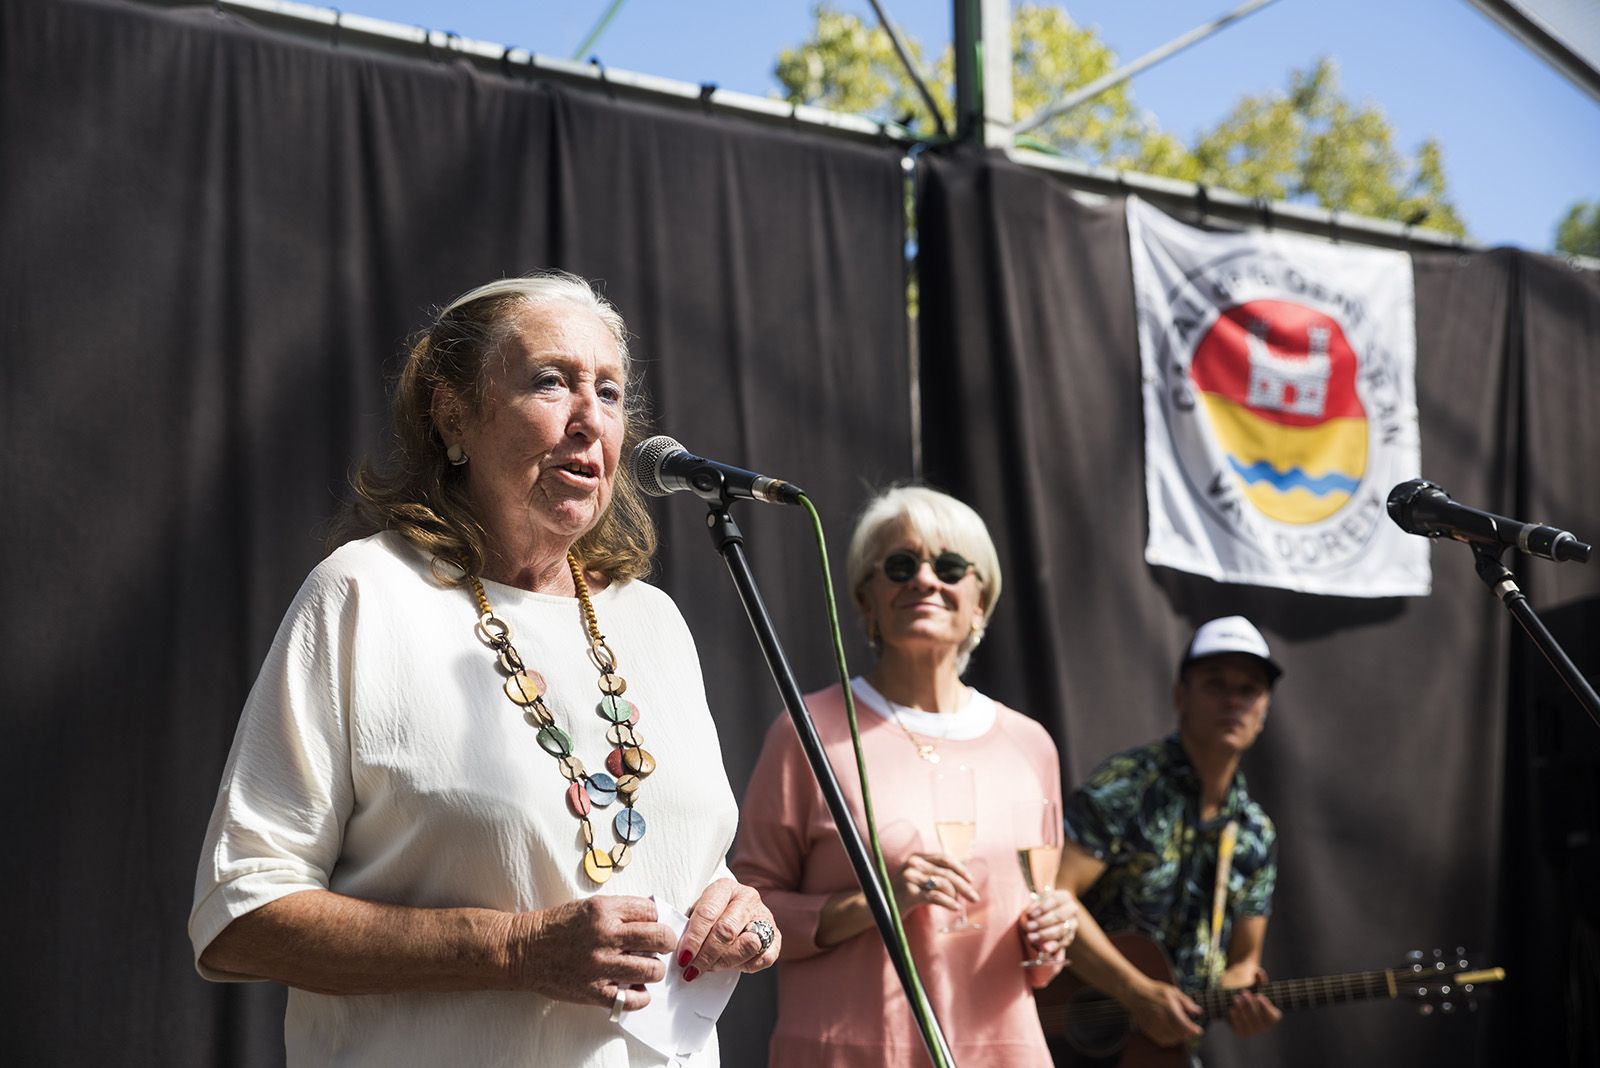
[
  {"x": 661, "y": 466},
  {"x": 1421, "y": 507}
]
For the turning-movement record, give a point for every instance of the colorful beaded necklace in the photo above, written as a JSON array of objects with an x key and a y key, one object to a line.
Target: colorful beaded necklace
[{"x": 626, "y": 765}]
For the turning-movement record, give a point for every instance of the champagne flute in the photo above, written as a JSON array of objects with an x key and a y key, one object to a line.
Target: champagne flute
[
  {"x": 955, "y": 817},
  {"x": 1036, "y": 828}
]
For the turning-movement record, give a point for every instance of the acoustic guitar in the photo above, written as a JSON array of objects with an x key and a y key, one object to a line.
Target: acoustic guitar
[{"x": 1088, "y": 1029}]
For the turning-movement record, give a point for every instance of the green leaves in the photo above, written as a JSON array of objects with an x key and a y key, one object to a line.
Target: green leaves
[
  {"x": 1306, "y": 143},
  {"x": 1579, "y": 230},
  {"x": 848, "y": 66},
  {"x": 1313, "y": 145}
]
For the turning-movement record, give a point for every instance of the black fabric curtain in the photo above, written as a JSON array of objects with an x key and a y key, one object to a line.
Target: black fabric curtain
[
  {"x": 1550, "y": 882},
  {"x": 1386, "y": 757},
  {"x": 213, "y": 245}
]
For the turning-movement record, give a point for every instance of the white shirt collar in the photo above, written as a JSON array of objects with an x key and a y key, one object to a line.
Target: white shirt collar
[{"x": 972, "y": 720}]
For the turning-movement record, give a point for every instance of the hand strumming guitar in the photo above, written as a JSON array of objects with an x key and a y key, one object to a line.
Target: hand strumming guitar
[{"x": 1161, "y": 1012}]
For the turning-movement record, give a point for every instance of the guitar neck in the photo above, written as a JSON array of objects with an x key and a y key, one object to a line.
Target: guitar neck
[{"x": 1308, "y": 993}]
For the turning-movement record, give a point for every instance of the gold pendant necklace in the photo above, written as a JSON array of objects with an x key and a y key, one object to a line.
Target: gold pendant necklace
[
  {"x": 627, "y": 764},
  {"x": 928, "y": 751}
]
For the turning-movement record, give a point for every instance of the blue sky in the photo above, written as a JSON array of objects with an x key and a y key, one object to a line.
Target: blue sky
[{"x": 1521, "y": 143}]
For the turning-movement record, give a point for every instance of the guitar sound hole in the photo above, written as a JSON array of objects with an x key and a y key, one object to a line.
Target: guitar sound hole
[{"x": 1096, "y": 1024}]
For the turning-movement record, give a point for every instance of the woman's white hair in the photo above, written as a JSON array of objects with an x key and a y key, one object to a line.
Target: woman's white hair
[
  {"x": 550, "y": 287},
  {"x": 942, "y": 523}
]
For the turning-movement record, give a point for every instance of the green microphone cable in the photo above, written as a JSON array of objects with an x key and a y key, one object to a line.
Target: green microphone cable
[{"x": 920, "y": 1006}]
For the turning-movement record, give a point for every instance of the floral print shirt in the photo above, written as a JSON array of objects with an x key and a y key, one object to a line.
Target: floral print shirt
[{"x": 1139, "y": 813}]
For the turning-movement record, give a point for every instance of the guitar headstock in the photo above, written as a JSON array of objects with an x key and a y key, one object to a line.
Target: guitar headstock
[{"x": 1443, "y": 982}]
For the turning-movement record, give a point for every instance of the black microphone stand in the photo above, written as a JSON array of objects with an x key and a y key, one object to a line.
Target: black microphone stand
[
  {"x": 729, "y": 542},
  {"x": 1503, "y": 584}
]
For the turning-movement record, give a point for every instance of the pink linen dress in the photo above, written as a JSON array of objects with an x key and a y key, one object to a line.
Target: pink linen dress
[{"x": 843, "y": 1006}]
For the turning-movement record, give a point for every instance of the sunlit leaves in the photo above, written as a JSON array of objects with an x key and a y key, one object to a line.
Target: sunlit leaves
[
  {"x": 1307, "y": 143},
  {"x": 1579, "y": 230},
  {"x": 1313, "y": 145},
  {"x": 849, "y": 66}
]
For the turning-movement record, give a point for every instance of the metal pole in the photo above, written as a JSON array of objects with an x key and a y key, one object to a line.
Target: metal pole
[
  {"x": 729, "y": 543},
  {"x": 984, "y": 105},
  {"x": 599, "y": 28},
  {"x": 1149, "y": 59},
  {"x": 917, "y": 80}
]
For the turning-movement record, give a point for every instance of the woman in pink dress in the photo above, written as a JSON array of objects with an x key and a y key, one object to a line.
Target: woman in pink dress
[{"x": 925, "y": 578}]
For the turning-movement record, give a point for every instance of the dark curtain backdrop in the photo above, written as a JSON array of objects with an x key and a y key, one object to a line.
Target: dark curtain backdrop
[
  {"x": 1550, "y": 886},
  {"x": 1385, "y": 759},
  {"x": 213, "y": 244}
]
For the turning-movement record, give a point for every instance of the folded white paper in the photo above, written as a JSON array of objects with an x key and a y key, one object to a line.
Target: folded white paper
[{"x": 681, "y": 1017}]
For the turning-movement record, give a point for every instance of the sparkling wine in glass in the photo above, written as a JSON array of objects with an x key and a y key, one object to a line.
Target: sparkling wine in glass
[
  {"x": 955, "y": 820},
  {"x": 1036, "y": 828}
]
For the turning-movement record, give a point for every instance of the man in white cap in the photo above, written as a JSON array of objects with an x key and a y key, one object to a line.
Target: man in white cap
[{"x": 1164, "y": 840}]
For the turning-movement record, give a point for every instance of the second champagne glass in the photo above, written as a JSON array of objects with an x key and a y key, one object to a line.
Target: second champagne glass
[
  {"x": 955, "y": 819},
  {"x": 1036, "y": 829}
]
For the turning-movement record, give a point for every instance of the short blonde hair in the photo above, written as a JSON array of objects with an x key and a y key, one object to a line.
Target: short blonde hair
[
  {"x": 942, "y": 523},
  {"x": 421, "y": 495}
]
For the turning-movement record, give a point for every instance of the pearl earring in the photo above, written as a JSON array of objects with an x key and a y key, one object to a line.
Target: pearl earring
[{"x": 456, "y": 455}]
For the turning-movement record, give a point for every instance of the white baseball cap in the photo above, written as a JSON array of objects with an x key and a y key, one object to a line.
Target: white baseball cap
[{"x": 1230, "y": 634}]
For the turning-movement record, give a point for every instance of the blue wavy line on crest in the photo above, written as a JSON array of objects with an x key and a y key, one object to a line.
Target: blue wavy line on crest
[{"x": 1262, "y": 471}]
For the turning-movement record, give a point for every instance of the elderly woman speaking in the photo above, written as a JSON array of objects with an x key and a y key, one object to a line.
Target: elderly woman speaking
[
  {"x": 441, "y": 825},
  {"x": 925, "y": 578}
]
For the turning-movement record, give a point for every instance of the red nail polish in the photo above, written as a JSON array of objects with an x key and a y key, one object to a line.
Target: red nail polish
[
  {"x": 684, "y": 958},
  {"x": 689, "y": 974}
]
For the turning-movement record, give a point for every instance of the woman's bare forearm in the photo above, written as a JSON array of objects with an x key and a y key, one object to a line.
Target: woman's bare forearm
[
  {"x": 1098, "y": 962},
  {"x": 843, "y": 916},
  {"x": 330, "y": 943}
]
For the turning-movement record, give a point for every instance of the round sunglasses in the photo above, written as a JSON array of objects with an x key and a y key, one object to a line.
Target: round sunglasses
[{"x": 948, "y": 567}]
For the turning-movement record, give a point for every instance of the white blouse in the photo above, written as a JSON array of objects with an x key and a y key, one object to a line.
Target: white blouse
[{"x": 378, "y": 757}]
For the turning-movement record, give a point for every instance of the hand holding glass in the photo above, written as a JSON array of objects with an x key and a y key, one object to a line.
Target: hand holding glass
[{"x": 1036, "y": 828}]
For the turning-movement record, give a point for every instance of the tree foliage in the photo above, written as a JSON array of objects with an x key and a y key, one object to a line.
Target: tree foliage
[
  {"x": 849, "y": 66},
  {"x": 1308, "y": 143},
  {"x": 1312, "y": 144},
  {"x": 1579, "y": 230}
]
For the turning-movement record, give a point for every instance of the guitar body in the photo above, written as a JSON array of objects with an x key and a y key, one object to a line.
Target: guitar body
[{"x": 1088, "y": 1029}]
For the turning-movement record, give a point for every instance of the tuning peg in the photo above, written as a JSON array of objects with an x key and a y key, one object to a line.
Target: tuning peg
[
  {"x": 1425, "y": 1009},
  {"x": 1447, "y": 1006},
  {"x": 1414, "y": 955}
]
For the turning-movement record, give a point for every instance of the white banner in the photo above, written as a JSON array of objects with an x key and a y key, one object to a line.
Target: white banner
[{"x": 1280, "y": 408}]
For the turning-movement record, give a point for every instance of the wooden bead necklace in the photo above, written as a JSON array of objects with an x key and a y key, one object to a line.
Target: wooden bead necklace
[{"x": 627, "y": 764}]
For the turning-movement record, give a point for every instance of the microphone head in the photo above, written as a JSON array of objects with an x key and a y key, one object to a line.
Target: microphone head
[
  {"x": 1403, "y": 499},
  {"x": 646, "y": 464}
]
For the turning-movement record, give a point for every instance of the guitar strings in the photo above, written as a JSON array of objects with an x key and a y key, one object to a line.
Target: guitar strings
[{"x": 1333, "y": 989}]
